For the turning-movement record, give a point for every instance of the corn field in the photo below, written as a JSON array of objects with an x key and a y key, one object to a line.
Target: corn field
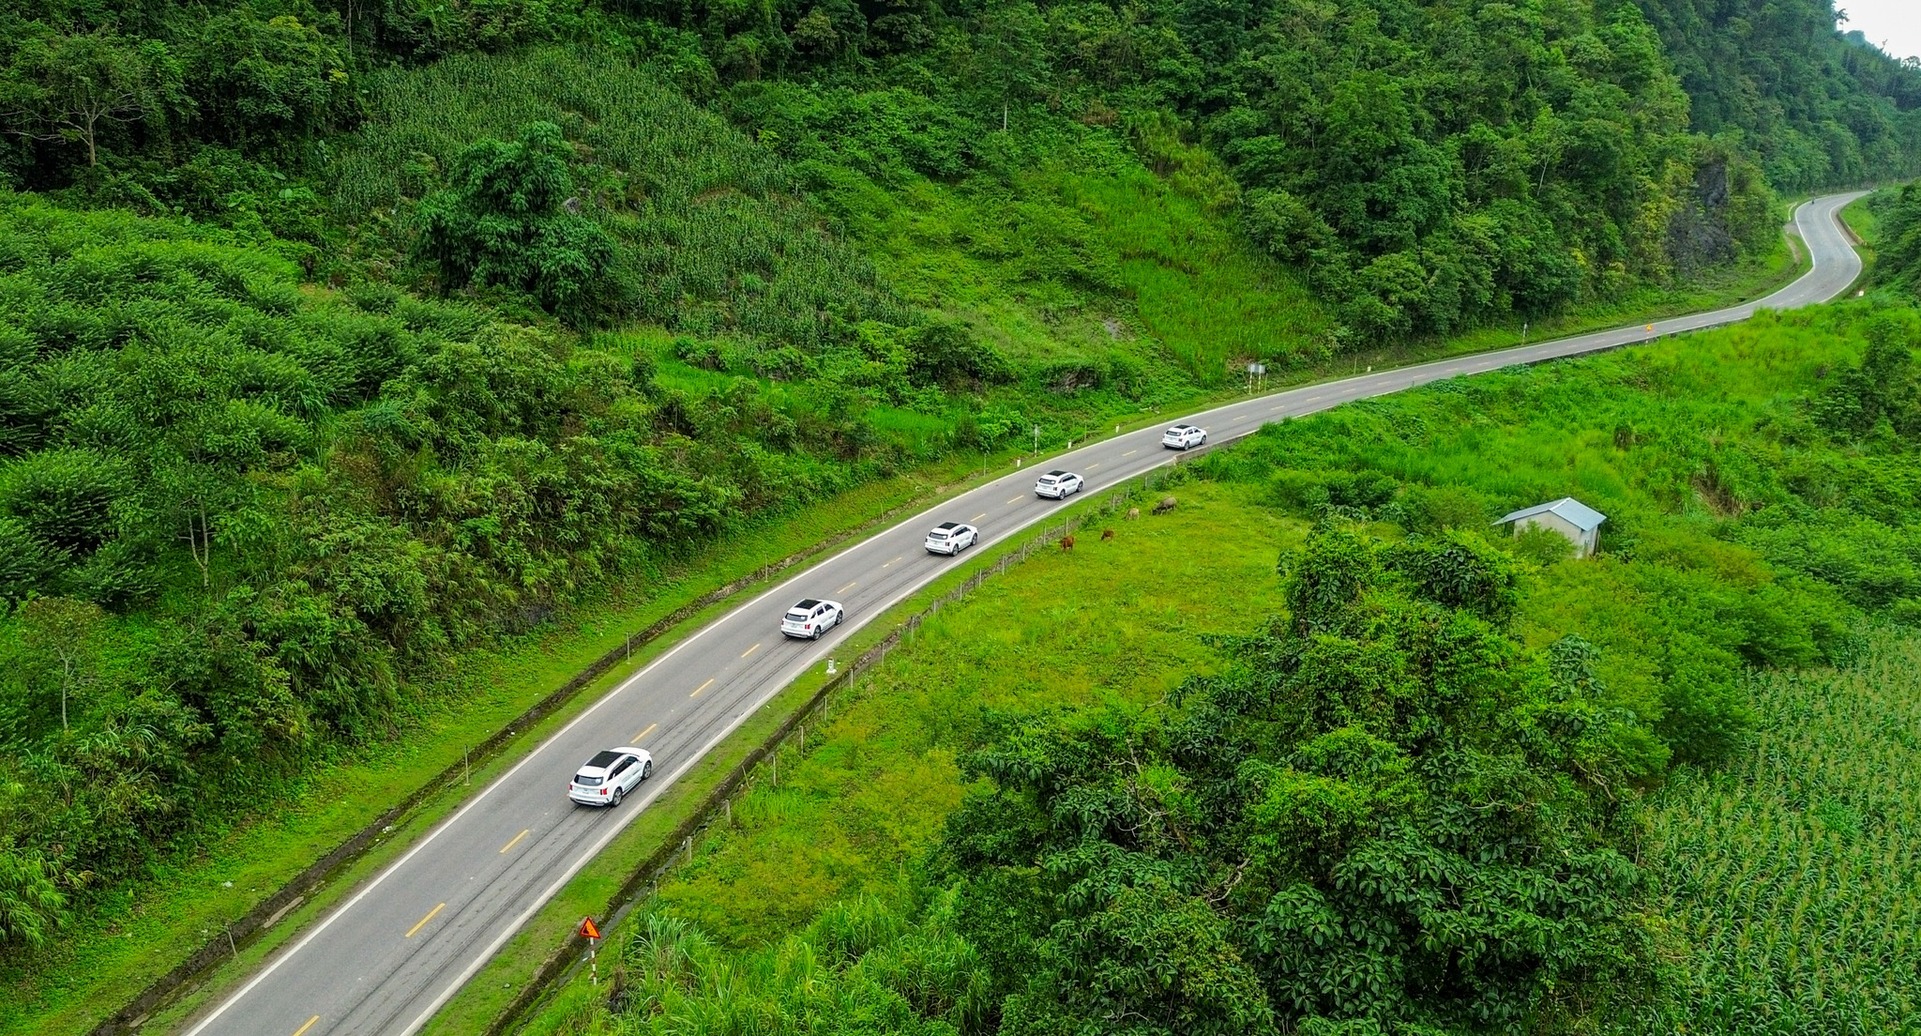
[
  {"x": 713, "y": 227},
  {"x": 1793, "y": 880}
]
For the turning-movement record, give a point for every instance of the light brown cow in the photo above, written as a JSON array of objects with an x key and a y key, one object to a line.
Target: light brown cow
[
  {"x": 1133, "y": 513},
  {"x": 1067, "y": 543},
  {"x": 1107, "y": 534}
]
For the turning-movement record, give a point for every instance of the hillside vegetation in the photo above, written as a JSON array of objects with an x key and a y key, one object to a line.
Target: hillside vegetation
[
  {"x": 1817, "y": 107},
  {"x": 1538, "y": 788},
  {"x": 337, "y": 337}
]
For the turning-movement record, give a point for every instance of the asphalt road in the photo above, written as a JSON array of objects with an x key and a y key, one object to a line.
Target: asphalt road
[{"x": 382, "y": 962}]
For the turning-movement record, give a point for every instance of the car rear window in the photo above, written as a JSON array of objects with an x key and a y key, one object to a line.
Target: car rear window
[
  {"x": 797, "y": 616},
  {"x": 586, "y": 781},
  {"x": 1048, "y": 480},
  {"x": 937, "y": 534}
]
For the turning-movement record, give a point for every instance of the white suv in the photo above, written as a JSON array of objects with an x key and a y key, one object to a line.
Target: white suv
[
  {"x": 952, "y": 538},
  {"x": 1184, "y": 437},
  {"x": 1058, "y": 484},
  {"x": 810, "y": 618},
  {"x": 607, "y": 778}
]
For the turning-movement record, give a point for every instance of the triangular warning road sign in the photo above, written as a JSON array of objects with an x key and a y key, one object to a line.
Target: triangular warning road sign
[{"x": 587, "y": 929}]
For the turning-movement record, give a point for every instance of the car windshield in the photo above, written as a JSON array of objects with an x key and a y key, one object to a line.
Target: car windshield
[{"x": 586, "y": 781}]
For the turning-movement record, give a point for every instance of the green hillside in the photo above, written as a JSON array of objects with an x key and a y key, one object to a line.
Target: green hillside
[
  {"x": 1412, "y": 779},
  {"x": 338, "y": 339}
]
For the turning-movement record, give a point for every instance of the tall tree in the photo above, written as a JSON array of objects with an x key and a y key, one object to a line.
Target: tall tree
[{"x": 85, "y": 87}]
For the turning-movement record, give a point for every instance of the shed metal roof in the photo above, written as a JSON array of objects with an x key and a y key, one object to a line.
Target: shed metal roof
[{"x": 1568, "y": 509}]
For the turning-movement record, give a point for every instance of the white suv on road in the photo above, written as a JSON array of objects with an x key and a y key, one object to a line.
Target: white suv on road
[
  {"x": 952, "y": 538},
  {"x": 1184, "y": 437},
  {"x": 810, "y": 618},
  {"x": 1058, "y": 484},
  {"x": 607, "y": 778}
]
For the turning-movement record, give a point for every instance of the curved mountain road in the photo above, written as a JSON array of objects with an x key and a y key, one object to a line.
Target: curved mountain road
[{"x": 383, "y": 961}]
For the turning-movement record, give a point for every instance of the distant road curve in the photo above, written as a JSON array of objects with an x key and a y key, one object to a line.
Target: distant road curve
[{"x": 382, "y": 962}]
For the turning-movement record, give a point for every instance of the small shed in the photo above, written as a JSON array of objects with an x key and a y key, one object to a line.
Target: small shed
[{"x": 1571, "y": 518}]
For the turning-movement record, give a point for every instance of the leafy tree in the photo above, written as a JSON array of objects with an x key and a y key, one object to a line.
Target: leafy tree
[
  {"x": 1386, "y": 814},
  {"x": 62, "y": 631},
  {"x": 265, "y": 83},
  {"x": 89, "y": 88},
  {"x": 511, "y": 218}
]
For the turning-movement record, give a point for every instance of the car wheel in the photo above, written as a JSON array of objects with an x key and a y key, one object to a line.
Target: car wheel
[
  {"x": 618, "y": 795},
  {"x": 646, "y": 769}
]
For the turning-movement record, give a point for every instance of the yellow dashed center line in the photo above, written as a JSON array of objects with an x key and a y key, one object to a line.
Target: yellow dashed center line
[
  {"x": 750, "y": 651},
  {"x": 978, "y": 517},
  {"x": 303, "y": 1029},
  {"x": 1130, "y": 453},
  {"x": 509, "y": 845},
  {"x": 1271, "y": 409},
  {"x": 1094, "y": 465},
  {"x": 636, "y": 738},
  {"x": 844, "y": 589},
  {"x": 1018, "y": 499},
  {"x": 701, "y": 688},
  {"x": 890, "y": 563},
  {"x": 430, "y": 916}
]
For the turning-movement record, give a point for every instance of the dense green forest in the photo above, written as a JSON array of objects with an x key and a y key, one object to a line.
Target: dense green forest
[
  {"x": 1818, "y": 108},
  {"x": 1454, "y": 784},
  {"x": 336, "y": 337},
  {"x": 1898, "y": 260}
]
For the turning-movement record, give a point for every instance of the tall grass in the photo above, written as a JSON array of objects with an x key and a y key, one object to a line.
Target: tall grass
[
  {"x": 1791, "y": 878},
  {"x": 1087, "y": 252}
]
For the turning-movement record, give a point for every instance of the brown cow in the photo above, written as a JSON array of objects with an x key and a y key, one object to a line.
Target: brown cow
[
  {"x": 1167, "y": 504},
  {"x": 1067, "y": 543},
  {"x": 1133, "y": 513},
  {"x": 1107, "y": 534}
]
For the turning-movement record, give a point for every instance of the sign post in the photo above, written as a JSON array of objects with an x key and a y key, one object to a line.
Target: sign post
[{"x": 590, "y": 932}]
